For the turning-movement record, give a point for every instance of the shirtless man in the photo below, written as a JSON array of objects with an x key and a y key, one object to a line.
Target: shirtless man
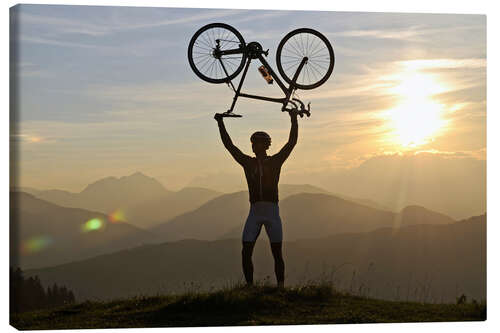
[{"x": 262, "y": 173}]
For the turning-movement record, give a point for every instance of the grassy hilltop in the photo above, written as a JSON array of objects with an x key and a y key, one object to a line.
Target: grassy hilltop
[{"x": 259, "y": 305}]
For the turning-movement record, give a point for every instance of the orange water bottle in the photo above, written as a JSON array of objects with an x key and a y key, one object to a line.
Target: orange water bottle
[{"x": 265, "y": 74}]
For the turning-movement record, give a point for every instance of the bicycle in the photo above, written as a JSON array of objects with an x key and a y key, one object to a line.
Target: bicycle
[{"x": 217, "y": 53}]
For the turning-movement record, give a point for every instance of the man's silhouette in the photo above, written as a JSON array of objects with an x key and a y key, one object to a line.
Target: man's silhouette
[{"x": 262, "y": 173}]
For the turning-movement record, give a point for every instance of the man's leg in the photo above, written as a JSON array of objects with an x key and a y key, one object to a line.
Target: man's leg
[
  {"x": 279, "y": 264},
  {"x": 246, "y": 256}
]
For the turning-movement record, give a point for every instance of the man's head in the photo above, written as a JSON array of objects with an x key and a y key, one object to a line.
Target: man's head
[{"x": 260, "y": 142}]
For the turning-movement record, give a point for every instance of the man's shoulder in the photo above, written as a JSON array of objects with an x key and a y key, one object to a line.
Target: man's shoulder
[
  {"x": 248, "y": 160},
  {"x": 276, "y": 158}
]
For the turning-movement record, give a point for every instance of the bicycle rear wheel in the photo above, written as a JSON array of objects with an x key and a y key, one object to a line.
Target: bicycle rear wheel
[
  {"x": 309, "y": 43},
  {"x": 204, "y": 53}
]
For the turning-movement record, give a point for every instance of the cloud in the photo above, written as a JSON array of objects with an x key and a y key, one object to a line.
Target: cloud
[
  {"x": 39, "y": 40},
  {"x": 383, "y": 34},
  {"x": 29, "y": 138},
  {"x": 115, "y": 23},
  {"x": 433, "y": 64},
  {"x": 413, "y": 33}
]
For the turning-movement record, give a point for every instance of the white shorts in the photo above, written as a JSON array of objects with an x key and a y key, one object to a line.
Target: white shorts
[{"x": 263, "y": 213}]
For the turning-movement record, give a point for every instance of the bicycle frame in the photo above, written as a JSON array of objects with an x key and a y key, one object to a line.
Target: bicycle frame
[{"x": 258, "y": 54}]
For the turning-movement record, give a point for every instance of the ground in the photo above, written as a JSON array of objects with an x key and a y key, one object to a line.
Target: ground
[{"x": 259, "y": 305}]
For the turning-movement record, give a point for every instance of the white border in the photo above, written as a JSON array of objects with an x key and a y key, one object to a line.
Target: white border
[{"x": 421, "y": 6}]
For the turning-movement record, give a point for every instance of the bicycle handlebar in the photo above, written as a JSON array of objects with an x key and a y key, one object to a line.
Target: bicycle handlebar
[{"x": 229, "y": 114}]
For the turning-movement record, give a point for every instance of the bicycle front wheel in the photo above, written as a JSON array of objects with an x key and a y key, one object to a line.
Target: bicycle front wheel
[
  {"x": 206, "y": 53},
  {"x": 308, "y": 43}
]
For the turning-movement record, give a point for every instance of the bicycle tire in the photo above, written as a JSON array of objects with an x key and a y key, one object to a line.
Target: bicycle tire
[
  {"x": 320, "y": 63},
  {"x": 202, "y": 41}
]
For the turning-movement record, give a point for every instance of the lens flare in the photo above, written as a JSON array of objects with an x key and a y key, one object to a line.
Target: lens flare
[
  {"x": 117, "y": 216},
  {"x": 36, "y": 244},
  {"x": 92, "y": 225}
]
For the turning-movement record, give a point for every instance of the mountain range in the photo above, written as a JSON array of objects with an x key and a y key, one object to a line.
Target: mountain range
[
  {"x": 43, "y": 234},
  {"x": 140, "y": 200},
  {"x": 304, "y": 215},
  {"x": 307, "y": 212},
  {"x": 431, "y": 263},
  {"x": 450, "y": 183}
]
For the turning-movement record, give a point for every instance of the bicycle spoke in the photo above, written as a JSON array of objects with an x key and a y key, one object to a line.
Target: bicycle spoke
[
  {"x": 294, "y": 51},
  {"x": 223, "y": 38},
  {"x": 313, "y": 49},
  {"x": 312, "y": 71},
  {"x": 229, "y": 63},
  {"x": 220, "y": 38},
  {"x": 297, "y": 48},
  {"x": 202, "y": 55},
  {"x": 307, "y": 70},
  {"x": 307, "y": 42},
  {"x": 204, "y": 43},
  {"x": 302, "y": 43},
  {"x": 212, "y": 66},
  {"x": 198, "y": 57},
  {"x": 287, "y": 56},
  {"x": 202, "y": 60},
  {"x": 207, "y": 40},
  {"x": 212, "y": 38},
  {"x": 324, "y": 48},
  {"x": 298, "y": 55},
  {"x": 291, "y": 67},
  {"x": 320, "y": 66},
  {"x": 205, "y": 64},
  {"x": 327, "y": 60},
  {"x": 301, "y": 73},
  {"x": 314, "y": 67},
  {"x": 230, "y": 66},
  {"x": 289, "y": 62},
  {"x": 203, "y": 48}
]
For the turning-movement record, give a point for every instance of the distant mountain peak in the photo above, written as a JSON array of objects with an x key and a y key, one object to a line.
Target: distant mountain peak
[
  {"x": 137, "y": 174},
  {"x": 412, "y": 208},
  {"x": 419, "y": 214},
  {"x": 136, "y": 183}
]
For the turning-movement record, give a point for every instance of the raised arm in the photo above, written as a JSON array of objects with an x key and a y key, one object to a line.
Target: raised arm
[
  {"x": 226, "y": 140},
  {"x": 283, "y": 154}
]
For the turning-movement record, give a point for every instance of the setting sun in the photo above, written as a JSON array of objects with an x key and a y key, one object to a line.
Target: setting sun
[{"x": 416, "y": 118}]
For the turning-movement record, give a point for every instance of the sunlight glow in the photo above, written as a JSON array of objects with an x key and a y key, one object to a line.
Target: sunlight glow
[{"x": 417, "y": 118}]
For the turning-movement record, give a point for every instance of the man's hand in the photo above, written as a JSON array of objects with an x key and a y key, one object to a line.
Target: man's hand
[
  {"x": 293, "y": 114},
  {"x": 218, "y": 117}
]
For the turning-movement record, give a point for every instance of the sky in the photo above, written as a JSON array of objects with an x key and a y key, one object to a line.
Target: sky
[{"x": 108, "y": 91}]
